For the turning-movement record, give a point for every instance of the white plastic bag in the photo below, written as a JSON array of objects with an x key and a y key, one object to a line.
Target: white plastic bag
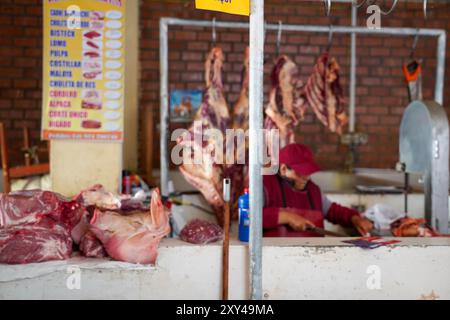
[{"x": 382, "y": 216}]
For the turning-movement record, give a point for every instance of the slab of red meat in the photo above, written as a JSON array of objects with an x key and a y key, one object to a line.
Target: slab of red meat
[
  {"x": 134, "y": 237},
  {"x": 29, "y": 206},
  {"x": 325, "y": 95},
  {"x": 213, "y": 114},
  {"x": 35, "y": 242},
  {"x": 286, "y": 105},
  {"x": 201, "y": 232}
]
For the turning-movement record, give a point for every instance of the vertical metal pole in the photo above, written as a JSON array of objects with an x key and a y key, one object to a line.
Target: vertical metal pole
[
  {"x": 164, "y": 108},
  {"x": 353, "y": 70},
  {"x": 256, "y": 144},
  {"x": 440, "y": 70}
]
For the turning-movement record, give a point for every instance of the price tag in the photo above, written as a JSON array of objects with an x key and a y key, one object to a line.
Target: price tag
[{"x": 241, "y": 7}]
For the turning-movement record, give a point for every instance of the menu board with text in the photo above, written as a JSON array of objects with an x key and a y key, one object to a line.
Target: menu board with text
[{"x": 84, "y": 58}]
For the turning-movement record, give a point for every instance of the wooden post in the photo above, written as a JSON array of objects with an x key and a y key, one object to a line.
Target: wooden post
[{"x": 5, "y": 164}]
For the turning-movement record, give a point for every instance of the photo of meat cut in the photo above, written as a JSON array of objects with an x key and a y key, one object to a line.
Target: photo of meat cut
[
  {"x": 93, "y": 75},
  {"x": 91, "y": 124},
  {"x": 91, "y": 94},
  {"x": 92, "y": 44},
  {"x": 96, "y": 25},
  {"x": 92, "y": 54},
  {"x": 97, "y": 15},
  {"x": 92, "y": 65},
  {"x": 91, "y": 104},
  {"x": 93, "y": 34}
]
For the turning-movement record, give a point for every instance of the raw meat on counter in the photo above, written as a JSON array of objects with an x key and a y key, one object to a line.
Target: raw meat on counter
[
  {"x": 213, "y": 114},
  {"x": 30, "y": 206},
  {"x": 91, "y": 247},
  {"x": 201, "y": 232},
  {"x": 35, "y": 242},
  {"x": 99, "y": 197},
  {"x": 324, "y": 93},
  {"x": 37, "y": 226},
  {"x": 134, "y": 237},
  {"x": 411, "y": 227}
]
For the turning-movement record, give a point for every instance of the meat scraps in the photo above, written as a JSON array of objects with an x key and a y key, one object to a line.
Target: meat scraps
[
  {"x": 201, "y": 232},
  {"x": 134, "y": 237},
  {"x": 411, "y": 227},
  {"x": 99, "y": 197},
  {"x": 213, "y": 114}
]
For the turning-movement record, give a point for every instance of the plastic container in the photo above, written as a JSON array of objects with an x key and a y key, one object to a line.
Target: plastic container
[
  {"x": 126, "y": 182},
  {"x": 244, "y": 216}
]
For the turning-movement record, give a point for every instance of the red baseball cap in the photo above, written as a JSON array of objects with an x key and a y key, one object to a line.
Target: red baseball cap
[{"x": 299, "y": 158}]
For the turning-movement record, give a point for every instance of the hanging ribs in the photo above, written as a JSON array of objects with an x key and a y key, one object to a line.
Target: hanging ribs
[
  {"x": 286, "y": 105},
  {"x": 324, "y": 94}
]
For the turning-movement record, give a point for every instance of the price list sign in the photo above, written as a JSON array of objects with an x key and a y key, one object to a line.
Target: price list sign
[{"x": 83, "y": 81}]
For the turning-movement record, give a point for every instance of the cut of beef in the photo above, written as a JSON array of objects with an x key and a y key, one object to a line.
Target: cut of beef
[
  {"x": 201, "y": 232},
  {"x": 35, "y": 242}
]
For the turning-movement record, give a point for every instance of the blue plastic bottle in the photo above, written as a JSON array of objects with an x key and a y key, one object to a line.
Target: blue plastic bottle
[{"x": 244, "y": 217}]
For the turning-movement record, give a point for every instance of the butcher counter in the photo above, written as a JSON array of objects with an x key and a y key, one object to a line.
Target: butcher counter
[{"x": 312, "y": 268}]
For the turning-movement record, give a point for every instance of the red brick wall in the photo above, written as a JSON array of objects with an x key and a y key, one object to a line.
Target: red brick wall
[
  {"x": 20, "y": 70},
  {"x": 381, "y": 93}
]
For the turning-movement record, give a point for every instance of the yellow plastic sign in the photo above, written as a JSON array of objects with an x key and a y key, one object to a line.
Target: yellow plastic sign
[{"x": 241, "y": 7}]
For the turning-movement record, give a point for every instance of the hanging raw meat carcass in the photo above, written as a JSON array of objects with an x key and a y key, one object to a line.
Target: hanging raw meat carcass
[
  {"x": 324, "y": 93},
  {"x": 133, "y": 237},
  {"x": 238, "y": 171},
  {"x": 286, "y": 104},
  {"x": 206, "y": 175}
]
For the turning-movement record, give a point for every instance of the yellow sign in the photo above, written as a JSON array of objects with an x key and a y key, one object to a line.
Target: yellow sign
[
  {"x": 83, "y": 83},
  {"x": 241, "y": 7}
]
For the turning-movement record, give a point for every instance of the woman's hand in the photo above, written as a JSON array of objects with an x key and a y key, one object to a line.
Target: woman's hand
[
  {"x": 362, "y": 224},
  {"x": 291, "y": 218}
]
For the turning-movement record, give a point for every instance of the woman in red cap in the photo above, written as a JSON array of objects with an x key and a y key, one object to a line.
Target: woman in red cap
[{"x": 293, "y": 203}]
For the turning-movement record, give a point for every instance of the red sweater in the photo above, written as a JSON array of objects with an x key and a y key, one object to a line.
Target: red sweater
[{"x": 310, "y": 203}]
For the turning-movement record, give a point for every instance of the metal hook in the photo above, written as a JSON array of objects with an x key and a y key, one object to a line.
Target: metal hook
[
  {"x": 214, "y": 35},
  {"x": 414, "y": 46},
  {"x": 391, "y": 9},
  {"x": 425, "y": 9},
  {"x": 280, "y": 30},
  {"x": 370, "y": 2},
  {"x": 327, "y": 7}
]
